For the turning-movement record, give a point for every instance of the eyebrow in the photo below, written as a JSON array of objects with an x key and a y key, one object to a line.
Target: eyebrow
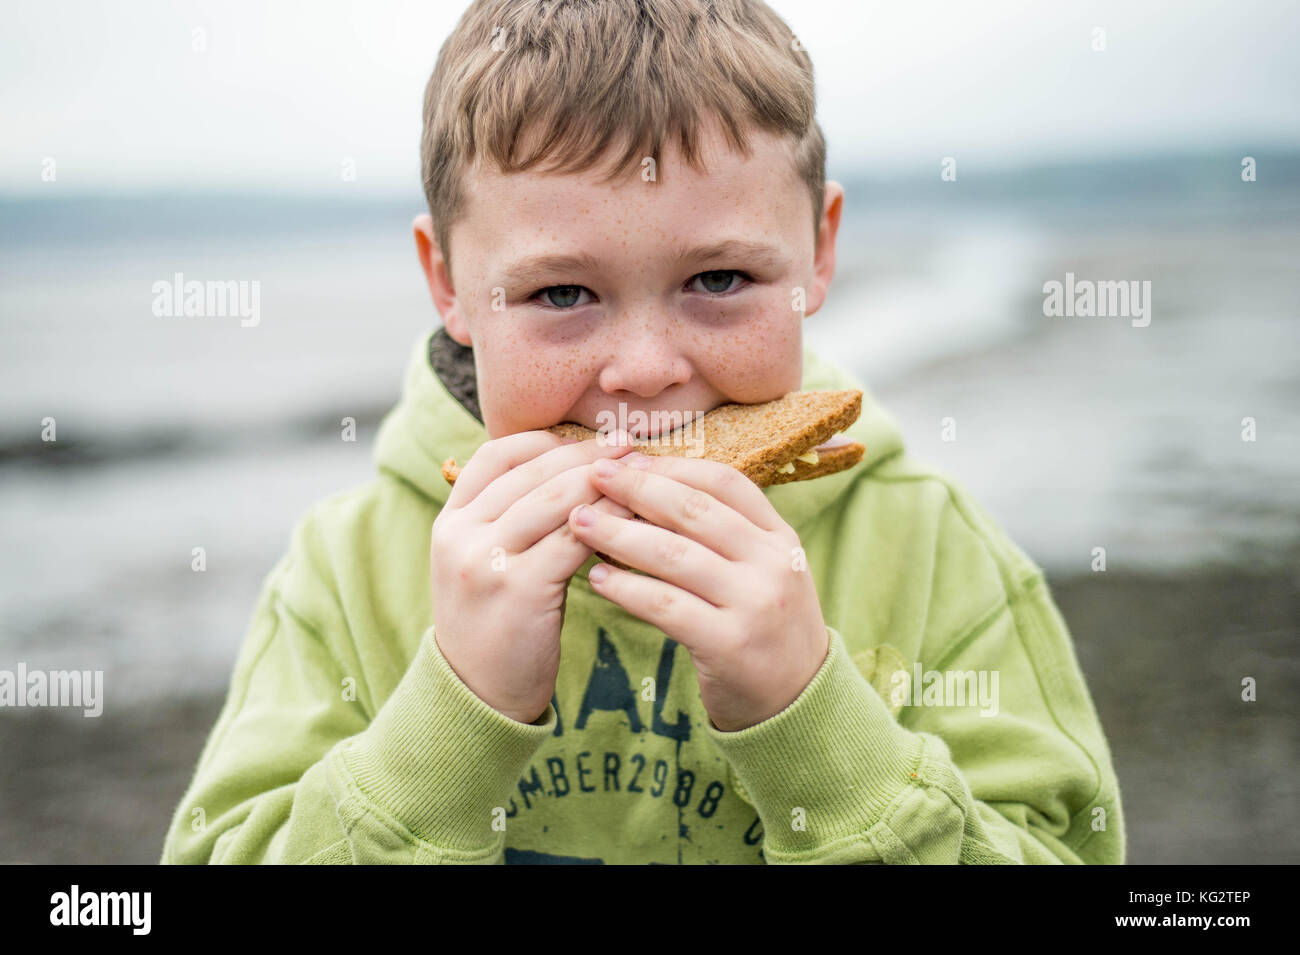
[
  {"x": 536, "y": 268},
  {"x": 763, "y": 252}
]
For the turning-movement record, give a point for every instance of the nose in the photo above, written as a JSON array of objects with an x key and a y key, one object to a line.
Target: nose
[{"x": 644, "y": 362}]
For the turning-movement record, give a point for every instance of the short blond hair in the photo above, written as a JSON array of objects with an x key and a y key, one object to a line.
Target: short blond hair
[{"x": 583, "y": 76}]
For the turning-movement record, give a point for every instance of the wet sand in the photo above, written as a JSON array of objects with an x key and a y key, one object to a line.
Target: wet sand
[{"x": 1205, "y": 777}]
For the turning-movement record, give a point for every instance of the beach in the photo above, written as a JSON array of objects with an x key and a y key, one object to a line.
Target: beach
[
  {"x": 1204, "y": 778},
  {"x": 1075, "y": 433}
]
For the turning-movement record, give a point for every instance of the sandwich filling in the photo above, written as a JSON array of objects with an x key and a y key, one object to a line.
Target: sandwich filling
[{"x": 810, "y": 457}]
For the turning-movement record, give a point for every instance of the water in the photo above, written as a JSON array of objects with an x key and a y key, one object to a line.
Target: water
[{"x": 183, "y": 433}]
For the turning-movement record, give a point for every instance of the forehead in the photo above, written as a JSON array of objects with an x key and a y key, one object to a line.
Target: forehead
[{"x": 761, "y": 191}]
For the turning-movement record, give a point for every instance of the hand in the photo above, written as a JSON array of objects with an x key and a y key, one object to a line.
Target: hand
[
  {"x": 501, "y": 556},
  {"x": 728, "y": 579}
]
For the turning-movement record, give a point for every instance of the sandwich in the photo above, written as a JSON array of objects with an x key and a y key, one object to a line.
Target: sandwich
[{"x": 793, "y": 438}]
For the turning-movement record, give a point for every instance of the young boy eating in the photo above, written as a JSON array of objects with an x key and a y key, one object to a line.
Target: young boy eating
[{"x": 629, "y": 216}]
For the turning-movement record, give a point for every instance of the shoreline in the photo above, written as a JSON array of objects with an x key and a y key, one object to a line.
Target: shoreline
[{"x": 1163, "y": 656}]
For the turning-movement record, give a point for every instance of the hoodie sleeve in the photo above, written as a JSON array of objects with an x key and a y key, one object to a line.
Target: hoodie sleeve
[
  {"x": 295, "y": 772},
  {"x": 836, "y": 779}
]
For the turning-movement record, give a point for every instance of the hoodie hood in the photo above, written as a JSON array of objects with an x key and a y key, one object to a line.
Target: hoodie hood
[{"x": 430, "y": 424}]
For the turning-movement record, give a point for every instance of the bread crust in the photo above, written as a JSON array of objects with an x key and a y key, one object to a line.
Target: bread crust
[{"x": 755, "y": 439}]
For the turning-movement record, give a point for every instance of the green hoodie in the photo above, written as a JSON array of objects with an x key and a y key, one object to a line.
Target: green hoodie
[{"x": 950, "y": 721}]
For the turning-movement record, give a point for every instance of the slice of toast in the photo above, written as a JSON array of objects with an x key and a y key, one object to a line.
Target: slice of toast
[{"x": 763, "y": 441}]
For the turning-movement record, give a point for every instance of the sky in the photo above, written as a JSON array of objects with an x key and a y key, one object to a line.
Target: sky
[{"x": 277, "y": 97}]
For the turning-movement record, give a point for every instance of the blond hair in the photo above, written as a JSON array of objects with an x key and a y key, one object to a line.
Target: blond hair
[{"x": 582, "y": 76}]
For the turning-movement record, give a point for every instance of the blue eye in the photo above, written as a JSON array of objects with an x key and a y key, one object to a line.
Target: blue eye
[
  {"x": 561, "y": 296},
  {"x": 564, "y": 297},
  {"x": 719, "y": 281}
]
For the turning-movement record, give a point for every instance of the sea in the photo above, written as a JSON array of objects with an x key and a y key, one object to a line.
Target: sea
[{"x": 185, "y": 449}]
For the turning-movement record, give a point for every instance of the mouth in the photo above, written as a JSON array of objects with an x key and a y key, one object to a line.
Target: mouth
[{"x": 647, "y": 425}]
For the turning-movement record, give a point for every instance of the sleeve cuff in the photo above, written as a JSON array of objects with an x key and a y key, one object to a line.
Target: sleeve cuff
[
  {"x": 828, "y": 766},
  {"x": 438, "y": 759}
]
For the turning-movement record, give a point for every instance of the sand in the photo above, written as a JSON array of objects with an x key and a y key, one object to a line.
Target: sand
[{"x": 1205, "y": 778}]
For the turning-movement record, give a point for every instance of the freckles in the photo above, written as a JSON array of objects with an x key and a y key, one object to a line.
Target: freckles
[
  {"x": 755, "y": 353},
  {"x": 544, "y": 382}
]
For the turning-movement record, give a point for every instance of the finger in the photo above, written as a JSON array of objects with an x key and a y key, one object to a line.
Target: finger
[
  {"x": 678, "y": 613},
  {"x": 560, "y": 552},
  {"x": 495, "y": 458},
  {"x": 722, "y": 481},
  {"x": 545, "y": 508},
  {"x": 671, "y": 557},
  {"x": 680, "y": 507},
  {"x": 531, "y": 473}
]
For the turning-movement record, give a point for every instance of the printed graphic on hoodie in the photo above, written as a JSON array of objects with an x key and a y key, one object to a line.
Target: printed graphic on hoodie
[{"x": 611, "y": 744}]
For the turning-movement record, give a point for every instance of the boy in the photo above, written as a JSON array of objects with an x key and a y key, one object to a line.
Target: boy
[{"x": 855, "y": 669}]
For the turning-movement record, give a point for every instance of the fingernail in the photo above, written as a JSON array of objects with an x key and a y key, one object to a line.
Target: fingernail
[
  {"x": 608, "y": 467},
  {"x": 598, "y": 573},
  {"x": 585, "y": 516},
  {"x": 637, "y": 460}
]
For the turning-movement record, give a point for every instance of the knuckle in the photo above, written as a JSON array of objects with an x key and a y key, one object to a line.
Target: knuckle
[
  {"x": 672, "y": 549},
  {"x": 550, "y": 492},
  {"x": 724, "y": 475},
  {"x": 695, "y": 505},
  {"x": 773, "y": 605},
  {"x": 450, "y": 564},
  {"x": 663, "y": 601},
  {"x": 443, "y": 533},
  {"x": 786, "y": 542}
]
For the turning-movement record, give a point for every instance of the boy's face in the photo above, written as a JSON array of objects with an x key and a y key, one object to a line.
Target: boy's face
[{"x": 643, "y": 314}]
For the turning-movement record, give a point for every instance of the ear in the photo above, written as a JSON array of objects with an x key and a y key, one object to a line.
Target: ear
[
  {"x": 824, "y": 257},
  {"x": 439, "y": 279}
]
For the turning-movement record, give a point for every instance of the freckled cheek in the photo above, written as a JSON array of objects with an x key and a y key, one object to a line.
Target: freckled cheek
[
  {"x": 783, "y": 331},
  {"x": 531, "y": 384},
  {"x": 758, "y": 354}
]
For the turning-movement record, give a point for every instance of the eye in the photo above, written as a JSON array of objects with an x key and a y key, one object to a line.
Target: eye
[
  {"x": 560, "y": 297},
  {"x": 719, "y": 281}
]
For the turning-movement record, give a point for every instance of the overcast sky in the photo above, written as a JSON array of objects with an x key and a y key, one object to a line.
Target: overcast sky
[{"x": 284, "y": 93}]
